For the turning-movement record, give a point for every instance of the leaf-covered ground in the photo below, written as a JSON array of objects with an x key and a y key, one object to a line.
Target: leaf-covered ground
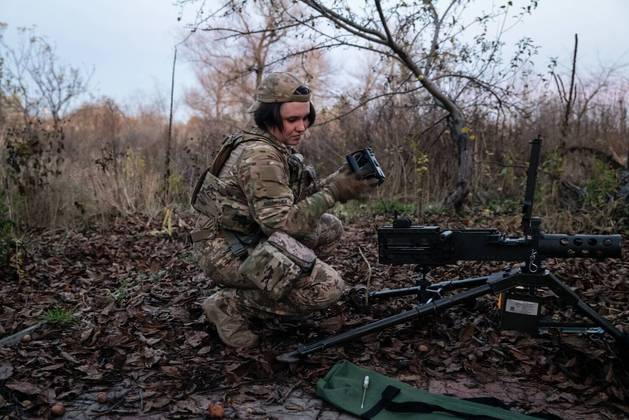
[{"x": 139, "y": 345}]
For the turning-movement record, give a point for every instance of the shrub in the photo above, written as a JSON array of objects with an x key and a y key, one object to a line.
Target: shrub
[
  {"x": 59, "y": 316},
  {"x": 392, "y": 207},
  {"x": 601, "y": 188}
]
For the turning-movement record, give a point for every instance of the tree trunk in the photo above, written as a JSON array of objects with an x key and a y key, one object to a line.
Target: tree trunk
[
  {"x": 465, "y": 162},
  {"x": 456, "y": 121}
]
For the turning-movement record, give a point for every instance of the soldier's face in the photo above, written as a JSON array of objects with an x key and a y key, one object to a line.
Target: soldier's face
[{"x": 295, "y": 122}]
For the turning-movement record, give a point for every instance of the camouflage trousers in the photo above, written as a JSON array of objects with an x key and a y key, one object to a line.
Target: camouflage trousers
[{"x": 269, "y": 282}]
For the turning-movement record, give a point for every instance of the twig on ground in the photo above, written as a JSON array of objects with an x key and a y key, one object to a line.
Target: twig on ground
[
  {"x": 15, "y": 338},
  {"x": 368, "y": 275},
  {"x": 290, "y": 391}
]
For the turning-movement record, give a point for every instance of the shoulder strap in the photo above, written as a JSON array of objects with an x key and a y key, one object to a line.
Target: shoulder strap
[
  {"x": 390, "y": 392},
  {"x": 228, "y": 145},
  {"x": 233, "y": 141}
]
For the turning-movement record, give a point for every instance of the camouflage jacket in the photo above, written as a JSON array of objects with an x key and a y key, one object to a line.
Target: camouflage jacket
[{"x": 270, "y": 180}]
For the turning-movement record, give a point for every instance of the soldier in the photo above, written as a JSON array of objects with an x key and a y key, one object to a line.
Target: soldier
[{"x": 265, "y": 212}]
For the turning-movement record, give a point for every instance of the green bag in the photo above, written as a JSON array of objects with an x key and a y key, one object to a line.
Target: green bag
[{"x": 387, "y": 398}]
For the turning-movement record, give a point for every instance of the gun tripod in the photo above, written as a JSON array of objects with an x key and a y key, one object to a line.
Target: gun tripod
[{"x": 432, "y": 302}]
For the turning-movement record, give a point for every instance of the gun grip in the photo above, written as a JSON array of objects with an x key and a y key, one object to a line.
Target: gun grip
[{"x": 352, "y": 162}]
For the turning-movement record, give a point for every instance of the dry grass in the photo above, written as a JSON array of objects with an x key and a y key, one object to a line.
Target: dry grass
[{"x": 113, "y": 163}]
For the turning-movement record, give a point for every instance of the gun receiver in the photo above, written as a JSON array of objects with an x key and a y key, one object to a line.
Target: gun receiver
[
  {"x": 364, "y": 163},
  {"x": 432, "y": 246}
]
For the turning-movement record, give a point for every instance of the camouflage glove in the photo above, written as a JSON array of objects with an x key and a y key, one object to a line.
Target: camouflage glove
[{"x": 345, "y": 185}]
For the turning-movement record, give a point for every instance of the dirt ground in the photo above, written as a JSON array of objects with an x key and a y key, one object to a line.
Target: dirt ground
[{"x": 139, "y": 346}]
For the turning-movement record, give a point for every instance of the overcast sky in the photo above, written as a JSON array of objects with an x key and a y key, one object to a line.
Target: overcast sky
[{"x": 129, "y": 43}]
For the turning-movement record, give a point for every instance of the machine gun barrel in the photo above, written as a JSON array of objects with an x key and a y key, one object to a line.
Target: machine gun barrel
[
  {"x": 431, "y": 246},
  {"x": 557, "y": 245}
]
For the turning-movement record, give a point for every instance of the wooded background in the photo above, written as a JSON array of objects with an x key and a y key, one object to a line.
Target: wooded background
[{"x": 447, "y": 109}]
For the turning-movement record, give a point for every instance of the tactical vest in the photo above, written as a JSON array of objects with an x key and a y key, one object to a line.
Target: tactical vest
[{"x": 226, "y": 204}]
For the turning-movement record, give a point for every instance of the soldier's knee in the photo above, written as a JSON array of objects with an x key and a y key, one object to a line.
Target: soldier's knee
[
  {"x": 332, "y": 284},
  {"x": 331, "y": 229},
  {"x": 323, "y": 287}
]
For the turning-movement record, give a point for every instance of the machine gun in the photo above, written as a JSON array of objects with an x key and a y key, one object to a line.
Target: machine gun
[
  {"x": 430, "y": 246},
  {"x": 402, "y": 242}
]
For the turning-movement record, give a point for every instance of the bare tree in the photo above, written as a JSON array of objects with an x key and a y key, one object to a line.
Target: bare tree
[
  {"x": 38, "y": 85},
  {"x": 232, "y": 50},
  {"x": 579, "y": 100},
  {"x": 567, "y": 98},
  {"x": 35, "y": 92},
  {"x": 230, "y": 57}
]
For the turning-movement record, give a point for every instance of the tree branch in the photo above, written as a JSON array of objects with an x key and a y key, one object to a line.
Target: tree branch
[
  {"x": 365, "y": 102},
  {"x": 383, "y": 20},
  {"x": 347, "y": 24}
]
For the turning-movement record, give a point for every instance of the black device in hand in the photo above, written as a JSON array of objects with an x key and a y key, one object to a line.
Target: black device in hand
[{"x": 364, "y": 163}]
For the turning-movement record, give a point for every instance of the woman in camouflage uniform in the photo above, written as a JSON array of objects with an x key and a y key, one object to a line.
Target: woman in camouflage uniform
[{"x": 264, "y": 213}]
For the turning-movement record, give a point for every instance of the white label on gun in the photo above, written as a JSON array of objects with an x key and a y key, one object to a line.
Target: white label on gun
[{"x": 521, "y": 307}]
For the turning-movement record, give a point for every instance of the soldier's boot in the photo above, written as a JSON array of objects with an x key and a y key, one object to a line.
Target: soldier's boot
[{"x": 222, "y": 310}]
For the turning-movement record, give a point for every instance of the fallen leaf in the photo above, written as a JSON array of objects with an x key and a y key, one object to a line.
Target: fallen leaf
[
  {"x": 467, "y": 333},
  {"x": 204, "y": 350},
  {"x": 194, "y": 338},
  {"x": 170, "y": 370},
  {"x": 189, "y": 406},
  {"x": 6, "y": 370},
  {"x": 53, "y": 367},
  {"x": 25, "y": 388}
]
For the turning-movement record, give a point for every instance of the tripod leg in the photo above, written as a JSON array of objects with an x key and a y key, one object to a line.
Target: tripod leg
[
  {"x": 443, "y": 286},
  {"x": 418, "y": 311},
  {"x": 433, "y": 290},
  {"x": 572, "y": 298},
  {"x": 406, "y": 291}
]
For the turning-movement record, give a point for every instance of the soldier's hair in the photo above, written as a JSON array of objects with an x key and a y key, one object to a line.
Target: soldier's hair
[{"x": 268, "y": 114}]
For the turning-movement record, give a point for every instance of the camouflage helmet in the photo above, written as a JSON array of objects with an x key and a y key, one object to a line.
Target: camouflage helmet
[{"x": 278, "y": 88}]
